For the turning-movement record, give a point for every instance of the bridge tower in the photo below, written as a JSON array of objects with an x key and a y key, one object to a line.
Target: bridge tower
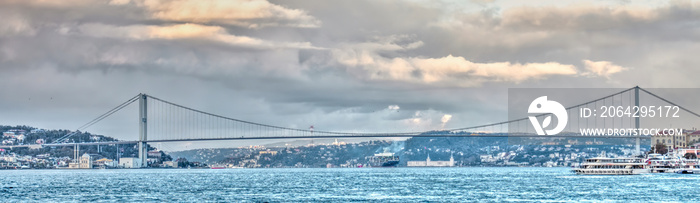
[
  {"x": 636, "y": 120},
  {"x": 143, "y": 116}
]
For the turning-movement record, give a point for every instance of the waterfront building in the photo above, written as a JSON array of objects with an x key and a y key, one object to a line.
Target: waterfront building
[
  {"x": 85, "y": 161},
  {"x": 430, "y": 163},
  {"x": 73, "y": 165},
  {"x": 687, "y": 138},
  {"x": 104, "y": 162},
  {"x": 88, "y": 161},
  {"x": 169, "y": 164},
  {"x": 129, "y": 162},
  {"x": 693, "y": 138}
]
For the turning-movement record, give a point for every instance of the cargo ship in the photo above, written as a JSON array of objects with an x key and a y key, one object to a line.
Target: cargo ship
[{"x": 385, "y": 159}]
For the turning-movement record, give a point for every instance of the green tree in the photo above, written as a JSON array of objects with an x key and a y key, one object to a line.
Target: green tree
[{"x": 659, "y": 149}]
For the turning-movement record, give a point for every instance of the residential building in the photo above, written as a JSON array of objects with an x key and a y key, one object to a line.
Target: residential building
[
  {"x": 8, "y": 134},
  {"x": 268, "y": 152},
  {"x": 154, "y": 154}
]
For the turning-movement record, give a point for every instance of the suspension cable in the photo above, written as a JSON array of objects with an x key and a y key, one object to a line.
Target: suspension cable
[{"x": 98, "y": 119}]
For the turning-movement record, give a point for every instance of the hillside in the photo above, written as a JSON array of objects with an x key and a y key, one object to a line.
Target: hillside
[
  {"x": 467, "y": 151},
  {"x": 16, "y": 135}
]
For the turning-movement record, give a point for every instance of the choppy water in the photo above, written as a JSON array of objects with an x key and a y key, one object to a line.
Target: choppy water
[{"x": 333, "y": 185}]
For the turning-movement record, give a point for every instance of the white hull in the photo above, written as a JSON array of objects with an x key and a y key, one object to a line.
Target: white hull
[
  {"x": 612, "y": 166},
  {"x": 584, "y": 171},
  {"x": 686, "y": 171},
  {"x": 664, "y": 170}
]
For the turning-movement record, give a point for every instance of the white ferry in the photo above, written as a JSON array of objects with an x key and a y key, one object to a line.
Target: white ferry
[
  {"x": 688, "y": 162},
  {"x": 612, "y": 166},
  {"x": 658, "y": 163}
]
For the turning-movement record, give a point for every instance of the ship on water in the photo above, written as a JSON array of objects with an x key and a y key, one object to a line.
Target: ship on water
[
  {"x": 218, "y": 166},
  {"x": 658, "y": 163},
  {"x": 612, "y": 166},
  {"x": 386, "y": 159}
]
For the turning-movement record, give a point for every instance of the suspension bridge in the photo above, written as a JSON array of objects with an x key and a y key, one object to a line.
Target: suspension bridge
[{"x": 164, "y": 121}]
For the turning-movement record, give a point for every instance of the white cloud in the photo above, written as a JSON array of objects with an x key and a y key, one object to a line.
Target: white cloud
[
  {"x": 249, "y": 13},
  {"x": 183, "y": 31},
  {"x": 119, "y": 2},
  {"x": 371, "y": 61},
  {"x": 393, "y": 107},
  {"x": 602, "y": 68},
  {"x": 437, "y": 69},
  {"x": 445, "y": 71},
  {"x": 445, "y": 118},
  {"x": 426, "y": 120}
]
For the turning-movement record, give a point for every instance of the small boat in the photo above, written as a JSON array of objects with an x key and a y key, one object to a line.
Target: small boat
[
  {"x": 684, "y": 171},
  {"x": 217, "y": 167},
  {"x": 687, "y": 167}
]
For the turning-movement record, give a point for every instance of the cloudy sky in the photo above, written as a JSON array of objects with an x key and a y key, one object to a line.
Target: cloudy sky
[{"x": 382, "y": 66}]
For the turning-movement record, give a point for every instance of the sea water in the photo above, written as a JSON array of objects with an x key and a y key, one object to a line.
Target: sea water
[{"x": 342, "y": 185}]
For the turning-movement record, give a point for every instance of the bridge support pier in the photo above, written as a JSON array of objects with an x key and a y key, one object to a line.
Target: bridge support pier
[{"x": 143, "y": 115}]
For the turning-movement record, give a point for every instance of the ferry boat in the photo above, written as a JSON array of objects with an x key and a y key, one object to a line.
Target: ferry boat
[
  {"x": 385, "y": 159},
  {"x": 612, "y": 166},
  {"x": 688, "y": 162},
  {"x": 658, "y": 163}
]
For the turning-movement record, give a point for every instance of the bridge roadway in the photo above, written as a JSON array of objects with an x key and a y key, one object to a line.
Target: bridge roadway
[{"x": 324, "y": 136}]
